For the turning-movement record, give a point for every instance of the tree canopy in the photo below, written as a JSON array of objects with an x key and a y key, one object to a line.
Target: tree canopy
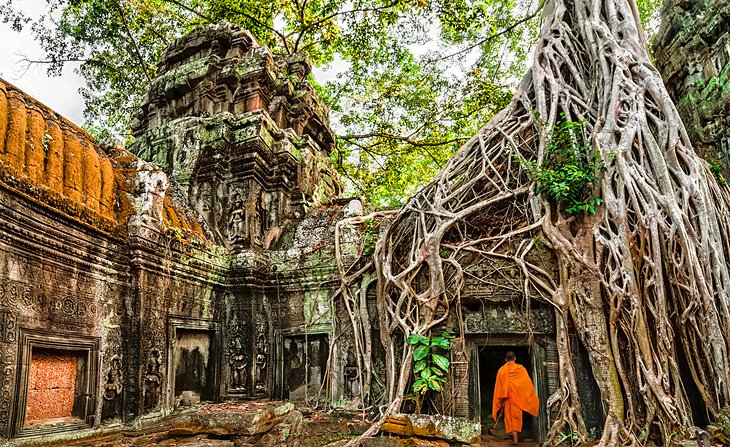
[{"x": 415, "y": 78}]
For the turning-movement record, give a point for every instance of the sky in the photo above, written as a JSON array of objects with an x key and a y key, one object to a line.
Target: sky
[{"x": 59, "y": 93}]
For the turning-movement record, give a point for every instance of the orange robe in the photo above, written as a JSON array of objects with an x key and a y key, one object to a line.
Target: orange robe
[{"x": 515, "y": 391}]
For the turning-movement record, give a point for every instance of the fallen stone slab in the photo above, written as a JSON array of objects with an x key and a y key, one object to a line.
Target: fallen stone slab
[
  {"x": 226, "y": 423},
  {"x": 433, "y": 426}
]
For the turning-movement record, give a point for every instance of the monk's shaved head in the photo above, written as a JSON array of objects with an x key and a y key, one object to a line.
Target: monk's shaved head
[{"x": 510, "y": 356}]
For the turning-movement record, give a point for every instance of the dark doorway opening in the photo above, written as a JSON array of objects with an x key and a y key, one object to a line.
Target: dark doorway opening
[
  {"x": 305, "y": 362},
  {"x": 491, "y": 358},
  {"x": 194, "y": 374}
]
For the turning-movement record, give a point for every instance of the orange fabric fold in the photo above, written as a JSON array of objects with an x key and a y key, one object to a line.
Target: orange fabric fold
[
  {"x": 512, "y": 417},
  {"x": 515, "y": 391}
]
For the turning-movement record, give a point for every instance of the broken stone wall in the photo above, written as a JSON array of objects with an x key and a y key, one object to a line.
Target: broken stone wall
[
  {"x": 242, "y": 134},
  {"x": 244, "y": 140},
  {"x": 176, "y": 287},
  {"x": 62, "y": 285},
  {"x": 98, "y": 262},
  {"x": 306, "y": 312}
]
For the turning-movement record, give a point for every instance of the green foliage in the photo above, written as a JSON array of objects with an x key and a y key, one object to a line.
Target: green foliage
[
  {"x": 369, "y": 237},
  {"x": 716, "y": 169},
  {"x": 430, "y": 366},
  {"x": 412, "y": 96},
  {"x": 565, "y": 437},
  {"x": 569, "y": 169},
  {"x": 649, "y": 15}
]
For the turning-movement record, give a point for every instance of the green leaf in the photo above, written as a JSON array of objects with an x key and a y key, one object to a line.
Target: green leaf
[
  {"x": 440, "y": 342},
  {"x": 447, "y": 336},
  {"x": 434, "y": 383},
  {"x": 441, "y": 361},
  {"x": 420, "y": 386},
  {"x": 417, "y": 338},
  {"x": 419, "y": 365},
  {"x": 421, "y": 352},
  {"x": 426, "y": 373}
]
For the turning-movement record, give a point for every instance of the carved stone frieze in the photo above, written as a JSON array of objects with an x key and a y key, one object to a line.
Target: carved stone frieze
[{"x": 507, "y": 320}]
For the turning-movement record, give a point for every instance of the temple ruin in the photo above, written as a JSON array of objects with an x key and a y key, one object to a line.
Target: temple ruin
[{"x": 197, "y": 265}]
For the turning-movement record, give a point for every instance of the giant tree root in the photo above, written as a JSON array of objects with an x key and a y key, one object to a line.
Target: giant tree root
[{"x": 644, "y": 282}]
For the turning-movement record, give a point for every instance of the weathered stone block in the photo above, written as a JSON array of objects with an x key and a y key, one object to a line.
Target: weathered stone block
[{"x": 433, "y": 426}]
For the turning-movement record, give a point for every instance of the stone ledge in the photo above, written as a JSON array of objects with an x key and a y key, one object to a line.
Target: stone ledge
[{"x": 433, "y": 426}]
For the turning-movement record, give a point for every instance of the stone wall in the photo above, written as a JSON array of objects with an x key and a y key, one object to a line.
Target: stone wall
[{"x": 692, "y": 51}]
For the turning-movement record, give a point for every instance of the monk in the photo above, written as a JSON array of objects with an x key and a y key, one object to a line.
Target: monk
[{"x": 515, "y": 393}]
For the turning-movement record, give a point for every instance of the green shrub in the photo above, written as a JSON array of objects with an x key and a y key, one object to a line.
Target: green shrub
[
  {"x": 429, "y": 366},
  {"x": 569, "y": 169}
]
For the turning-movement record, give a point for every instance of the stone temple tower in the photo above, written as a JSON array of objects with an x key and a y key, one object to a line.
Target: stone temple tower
[{"x": 241, "y": 133}]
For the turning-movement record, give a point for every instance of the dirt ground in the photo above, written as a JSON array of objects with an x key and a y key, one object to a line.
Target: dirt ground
[{"x": 250, "y": 424}]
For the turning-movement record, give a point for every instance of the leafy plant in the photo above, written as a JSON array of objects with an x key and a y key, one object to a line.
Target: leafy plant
[
  {"x": 568, "y": 436},
  {"x": 716, "y": 169},
  {"x": 369, "y": 238},
  {"x": 429, "y": 365},
  {"x": 569, "y": 169}
]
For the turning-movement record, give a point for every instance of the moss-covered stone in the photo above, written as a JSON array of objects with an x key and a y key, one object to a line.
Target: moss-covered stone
[{"x": 693, "y": 55}]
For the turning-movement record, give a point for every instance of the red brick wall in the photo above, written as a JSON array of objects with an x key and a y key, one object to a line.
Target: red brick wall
[{"x": 51, "y": 384}]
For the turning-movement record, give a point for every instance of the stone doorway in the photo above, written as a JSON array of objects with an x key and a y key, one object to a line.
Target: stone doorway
[
  {"x": 57, "y": 383},
  {"x": 491, "y": 358},
  {"x": 55, "y": 387},
  {"x": 486, "y": 356},
  {"x": 193, "y": 367},
  {"x": 304, "y": 365}
]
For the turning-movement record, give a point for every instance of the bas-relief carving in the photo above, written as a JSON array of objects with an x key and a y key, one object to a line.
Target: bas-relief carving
[
  {"x": 239, "y": 214},
  {"x": 112, "y": 391},
  {"x": 264, "y": 344},
  {"x": 152, "y": 380},
  {"x": 7, "y": 385},
  {"x": 237, "y": 342},
  {"x": 64, "y": 299},
  {"x": 204, "y": 202},
  {"x": 352, "y": 376},
  {"x": 247, "y": 216},
  {"x": 262, "y": 354},
  {"x": 238, "y": 364},
  {"x": 8, "y": 326},
  {"x": 509, "y": 320},
  {"x": 238, "y": 219}
]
